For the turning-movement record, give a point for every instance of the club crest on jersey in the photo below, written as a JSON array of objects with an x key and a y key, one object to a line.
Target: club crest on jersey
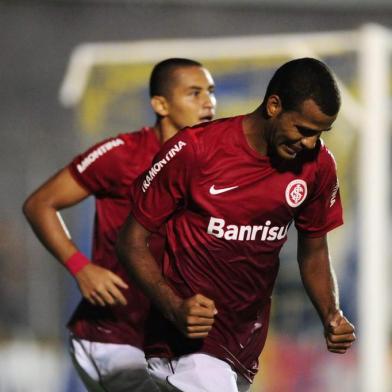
[{"x": 296, "y": 193}]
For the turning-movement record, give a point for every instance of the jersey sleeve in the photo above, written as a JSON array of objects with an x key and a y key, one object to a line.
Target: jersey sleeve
[
  {"x": 161, "y": 191},
  {"x": 97, "y": 169},
  {"x": 323, "y": 212}
]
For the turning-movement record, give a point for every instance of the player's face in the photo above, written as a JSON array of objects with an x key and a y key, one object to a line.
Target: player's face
[
  {"x": 295, "y": 131},
  {"x": 191, "y": 99}
]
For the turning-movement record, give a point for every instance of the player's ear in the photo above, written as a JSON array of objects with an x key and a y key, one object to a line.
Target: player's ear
[
  {"x": 160, "y": 105},
  {"x": 274, "y": 106}
]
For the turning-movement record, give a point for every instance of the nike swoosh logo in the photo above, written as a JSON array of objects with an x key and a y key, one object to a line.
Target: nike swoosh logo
[{"x": 215, "y": 191}]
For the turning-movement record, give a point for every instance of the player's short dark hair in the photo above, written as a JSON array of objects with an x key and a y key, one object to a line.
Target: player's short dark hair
[
  {"x": 162, "y": 74},
  {"x": 302, "y": 79}
]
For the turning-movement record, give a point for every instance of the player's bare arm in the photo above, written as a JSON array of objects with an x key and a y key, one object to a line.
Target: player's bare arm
[
  {"x": 194, "y": 316},
  {"x": 98, "y": 285},
  {"x": 320, "y": 283}
]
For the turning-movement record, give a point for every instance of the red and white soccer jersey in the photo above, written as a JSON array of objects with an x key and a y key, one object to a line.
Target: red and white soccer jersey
[
  {"x": 107, "y": 171},
  {"x": 228, "y": 210}
]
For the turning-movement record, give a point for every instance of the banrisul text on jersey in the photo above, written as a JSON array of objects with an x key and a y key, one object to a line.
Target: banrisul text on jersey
[{"x": 218, "y": 228}]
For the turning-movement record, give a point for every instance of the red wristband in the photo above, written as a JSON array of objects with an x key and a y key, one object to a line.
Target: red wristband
[{"x": 76, "y": 262}]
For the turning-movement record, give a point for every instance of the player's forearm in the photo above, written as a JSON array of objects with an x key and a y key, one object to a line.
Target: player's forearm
[
  {"x": 144, "y": 270},
  {"x": 319, "y": 281},
  {"x": 318, "y": 275},
  {"x": 134, "y": 253},
  {"x": 48, "y": 226}
]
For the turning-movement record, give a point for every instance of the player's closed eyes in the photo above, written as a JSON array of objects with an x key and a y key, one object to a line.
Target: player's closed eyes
[{"x": 306, "y": 132}]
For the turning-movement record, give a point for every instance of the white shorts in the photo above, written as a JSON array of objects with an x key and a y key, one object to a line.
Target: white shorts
[
  {"x": 107, "y": 367},
  {"x": 196, "y": 373}
]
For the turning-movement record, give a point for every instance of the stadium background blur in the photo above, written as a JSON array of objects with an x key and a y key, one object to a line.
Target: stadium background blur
[{"x": 40, "y": 136}]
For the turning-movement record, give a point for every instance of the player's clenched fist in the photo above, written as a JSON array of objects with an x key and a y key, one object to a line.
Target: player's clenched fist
[
  {"x": 100, "y": 286},
  {"x": 195, "y": 316},
  {"x": 339, "y": 333}
]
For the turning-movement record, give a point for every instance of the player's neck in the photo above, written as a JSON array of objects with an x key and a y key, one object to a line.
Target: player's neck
[
  {"x": 254, "y": 128},
  {"x": 164, "y": 131}
]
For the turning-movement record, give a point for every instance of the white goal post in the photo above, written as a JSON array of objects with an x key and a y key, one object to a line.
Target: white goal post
[
  {"x": 374, "y": 208},
  {"x": 369, "y": 115}
]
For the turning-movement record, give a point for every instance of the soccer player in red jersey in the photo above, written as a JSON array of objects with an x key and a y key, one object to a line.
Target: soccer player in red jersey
[
  {"x": 107, "y": 327},
  {"x": 228, "y": 191}
]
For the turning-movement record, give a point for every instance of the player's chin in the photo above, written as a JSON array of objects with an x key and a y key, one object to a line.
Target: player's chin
[
  {"x": 286, "y": 153},
  {"x": 206, "y": 118}
]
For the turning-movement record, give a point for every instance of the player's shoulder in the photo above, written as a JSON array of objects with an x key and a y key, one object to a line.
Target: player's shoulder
[
  {"x": 210, "y": 134},
  {"x": 320, "y": 158},
  {"x": 111, "y": 142},
  {"x": 111, "y": 150},
  {"x": 325, "y": 155},
  {"x": 134, "y": 138},
  {"x": 199, "y": 139},
  {"x": 213, "y": 128},
  {"x": 127, "y": 140}
]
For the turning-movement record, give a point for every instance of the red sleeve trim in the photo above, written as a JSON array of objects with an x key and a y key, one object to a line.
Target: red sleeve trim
[
  {"x": 323, "y": 232},
  {"x": 143, "y": 220},
  {"x": 78, "y": 178}
]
